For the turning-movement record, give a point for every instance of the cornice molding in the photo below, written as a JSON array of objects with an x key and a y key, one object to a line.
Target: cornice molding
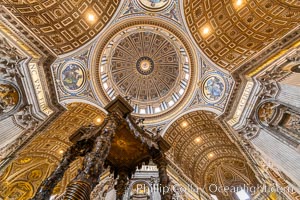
[{"x": 264, "y": 59}]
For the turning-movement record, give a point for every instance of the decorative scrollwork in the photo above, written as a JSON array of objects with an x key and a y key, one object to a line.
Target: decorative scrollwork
[
  {"x": 9, "y": 61},
  {"x": 269, "y": 81},
  {"x": 250, "y": 131},
  {"x": 25, "y": 119}
]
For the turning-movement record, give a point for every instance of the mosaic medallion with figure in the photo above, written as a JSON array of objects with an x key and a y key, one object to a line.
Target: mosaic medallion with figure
[
  {"x": 213, "y": 88},
  {"x": 154, "y": 5},
  {"x": 72, "y": 76}
]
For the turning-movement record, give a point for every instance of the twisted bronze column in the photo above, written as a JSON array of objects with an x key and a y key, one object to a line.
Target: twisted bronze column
[
  {"x": 121, "y": 183},
  {"x": 82, "y": 185},
  {"x": 45, "y": 189},
  {"x": 164, "y": 180}
]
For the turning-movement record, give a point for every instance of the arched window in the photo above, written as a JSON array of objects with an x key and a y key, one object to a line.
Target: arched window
[{"x": 140, "y": 191}]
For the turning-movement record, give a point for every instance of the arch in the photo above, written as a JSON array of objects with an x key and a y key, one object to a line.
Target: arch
[
  {"x": 49, "y": 153},
  {"x": 70, "y": 101},
  {"x": 198, "y": 143},
  {"x": 205, "y": 56},
  {"x": 281, "y": 119},
  {"x": 202, "y": 108},
  {"x": 29, "y": 170},
  {"x": 49, "y": 19},
  {"x": 146, "y": 186},
  {"x": 214, "y": 23}
]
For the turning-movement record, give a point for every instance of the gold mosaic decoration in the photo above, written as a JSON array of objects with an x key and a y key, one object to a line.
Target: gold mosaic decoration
[
  {"x": 22, "y": 177},
  {"x": 63, "y": 25},
  {"x": 231, "y": 31},
  {"x": 200, "y": 147}
]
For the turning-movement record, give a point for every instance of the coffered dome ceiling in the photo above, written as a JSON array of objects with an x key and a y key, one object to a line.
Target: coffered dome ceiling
[
  {"x": 231, "y": 31},
  {"x": 145, "y": 65},
  {"x": 148, "y": 63},
  {"x": 63, "y": 25}
]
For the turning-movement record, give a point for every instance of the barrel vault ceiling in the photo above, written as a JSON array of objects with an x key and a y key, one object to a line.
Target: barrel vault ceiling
[
  {"x": 202, "y": 149},
  {"x": 231, "y": 31},
  {"x": 63, "y": 25}
]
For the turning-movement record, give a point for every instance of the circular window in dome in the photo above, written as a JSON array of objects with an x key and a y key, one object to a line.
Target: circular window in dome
[{"x": 147, "y": 64}]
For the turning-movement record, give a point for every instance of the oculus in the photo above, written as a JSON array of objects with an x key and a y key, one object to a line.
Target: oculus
[{"x": 145, "y": 65}]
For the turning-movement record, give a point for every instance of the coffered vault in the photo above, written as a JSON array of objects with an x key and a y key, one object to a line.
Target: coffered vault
[
  {"x": 193, "y": 70},
  {"x": 204, "y": 152},
  {"x": 230, "y": 31},
  {"x": 63, "y": 25}
]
